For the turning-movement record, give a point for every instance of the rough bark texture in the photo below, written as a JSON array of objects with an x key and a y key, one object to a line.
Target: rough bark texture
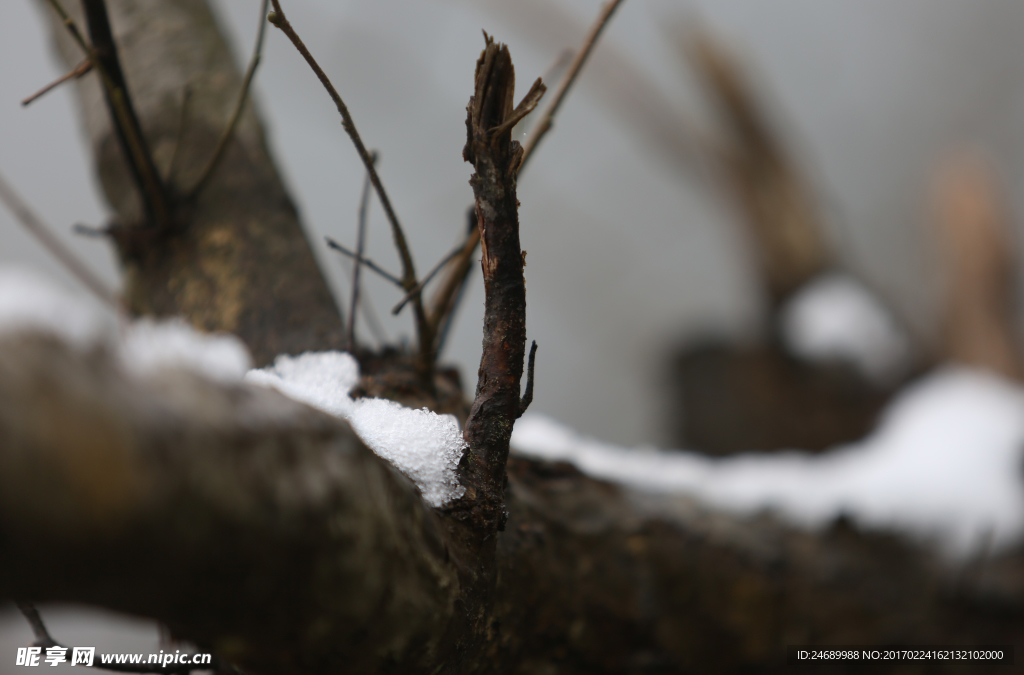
[
  {"x": 265, "y": 532},
  {"x": 248, "y": 523},
  {"x": 235, "y": 258},
  {"x": 495, "y": 157}
]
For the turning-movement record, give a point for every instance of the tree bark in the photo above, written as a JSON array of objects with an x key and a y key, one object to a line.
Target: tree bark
[
  {"x": 235, "y": 258},
  {"x": 265, "y": 532}
]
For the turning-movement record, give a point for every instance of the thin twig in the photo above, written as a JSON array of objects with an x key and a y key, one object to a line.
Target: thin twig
[
  {"x": 243, "y": 95},
  {"x": 426, "y": 280},
  {"x": 527, "y": 399},
  {"x": 548, "y": 116},
  {"x": 447, "y": 299},
  {"x": 81, "y": 69},
  {"x": 126, "y": 124},
  {"x": 277, "y": 17},
  {"x": 35, "y": 621},
  {"x": 364, "y": 208},
  {"x": 45, "y": 640},
  {"x": 364, "y": 261},
  {"x": 52, "y": 244}
]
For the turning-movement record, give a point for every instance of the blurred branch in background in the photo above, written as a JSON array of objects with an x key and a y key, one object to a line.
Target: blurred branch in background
[
  {"x": 765, "y": 395},
  {"x": 979, "y": 265}
]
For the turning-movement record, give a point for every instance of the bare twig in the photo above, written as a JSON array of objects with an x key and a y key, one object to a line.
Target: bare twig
[
  {"x": 527, "y": 399},
  {"x": 102, "y": 54},
  {"x": 45, "y": 640},
  {"x": 52, "y": 244},
  {"x": 126, "y": 122},
  {"x": 548, "y": 116},
  {"x": 497, "y": 404},
  {"x": 409, "y": 281},
  {"x": 81, "y": 69},
  {"x": 364, "y": 261},
  {"x": 446, "y": 299},
  {"x": 426, "y": 280},
  {"x": 243, "y": 96},
  {"x": 364, "y": 207}
]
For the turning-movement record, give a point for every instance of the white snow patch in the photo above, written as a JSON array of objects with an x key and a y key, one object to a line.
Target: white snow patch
[
  {"x": 423, "y": 445},
  {"x": 835, "y": 318},
  {"x": 945, "y": 463}
]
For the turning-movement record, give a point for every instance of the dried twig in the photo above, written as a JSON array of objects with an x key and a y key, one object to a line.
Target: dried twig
[
  {"x": 243, "y": 96},
  {"x": 548, "y": 116},
  {"x": 52, "y": 244},
  {"x": 78, "y": 71},
  {"x": 495, "y": 158},
  {"x": 364, "y": 207},
  {"x": 426, "y": 280},
  {"x": 445, "y": 301},
  {"x": 102, "y": 53},
  {"x": 409, "y": 281},
  {"x": 364, "y": 261}
]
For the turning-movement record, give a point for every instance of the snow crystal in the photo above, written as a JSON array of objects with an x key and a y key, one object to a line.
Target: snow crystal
[
  {"x": 423, "y": 445},
  {"x": 835, "y": 318},
  {"x": 945, "y": 463}
]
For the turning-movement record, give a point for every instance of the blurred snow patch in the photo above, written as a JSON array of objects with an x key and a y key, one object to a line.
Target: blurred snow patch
[
  {"x": 149, "y": 346},
  {"x": 834, "y": 318},
  {"x": 423, "y": 445},
  {"x": 945, "y": 463},
  {"x": 30, "y": 302}
]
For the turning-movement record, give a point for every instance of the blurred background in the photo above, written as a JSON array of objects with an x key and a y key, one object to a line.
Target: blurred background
[{"x": 634, "y": 247}]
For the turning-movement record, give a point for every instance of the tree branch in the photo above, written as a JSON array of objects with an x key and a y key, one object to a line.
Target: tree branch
[
  {"x": 51, "y": 243},
  {"x": 495, "y": 158},
  {"x": 78, "y": 71},
  {"x": 243, "y": 96},
  {"x": 104, "y": 55},
  {"x": 426, "y": 339},
  {"x": 246, "y": 522}
]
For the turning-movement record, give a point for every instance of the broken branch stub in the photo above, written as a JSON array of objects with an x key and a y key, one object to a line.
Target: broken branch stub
[{"x": 495, "y": 157}]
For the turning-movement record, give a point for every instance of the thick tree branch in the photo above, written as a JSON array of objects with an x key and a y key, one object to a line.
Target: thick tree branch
[
  {"x": 262, "y": 530},
  {"x": 240, "y": 263}
]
